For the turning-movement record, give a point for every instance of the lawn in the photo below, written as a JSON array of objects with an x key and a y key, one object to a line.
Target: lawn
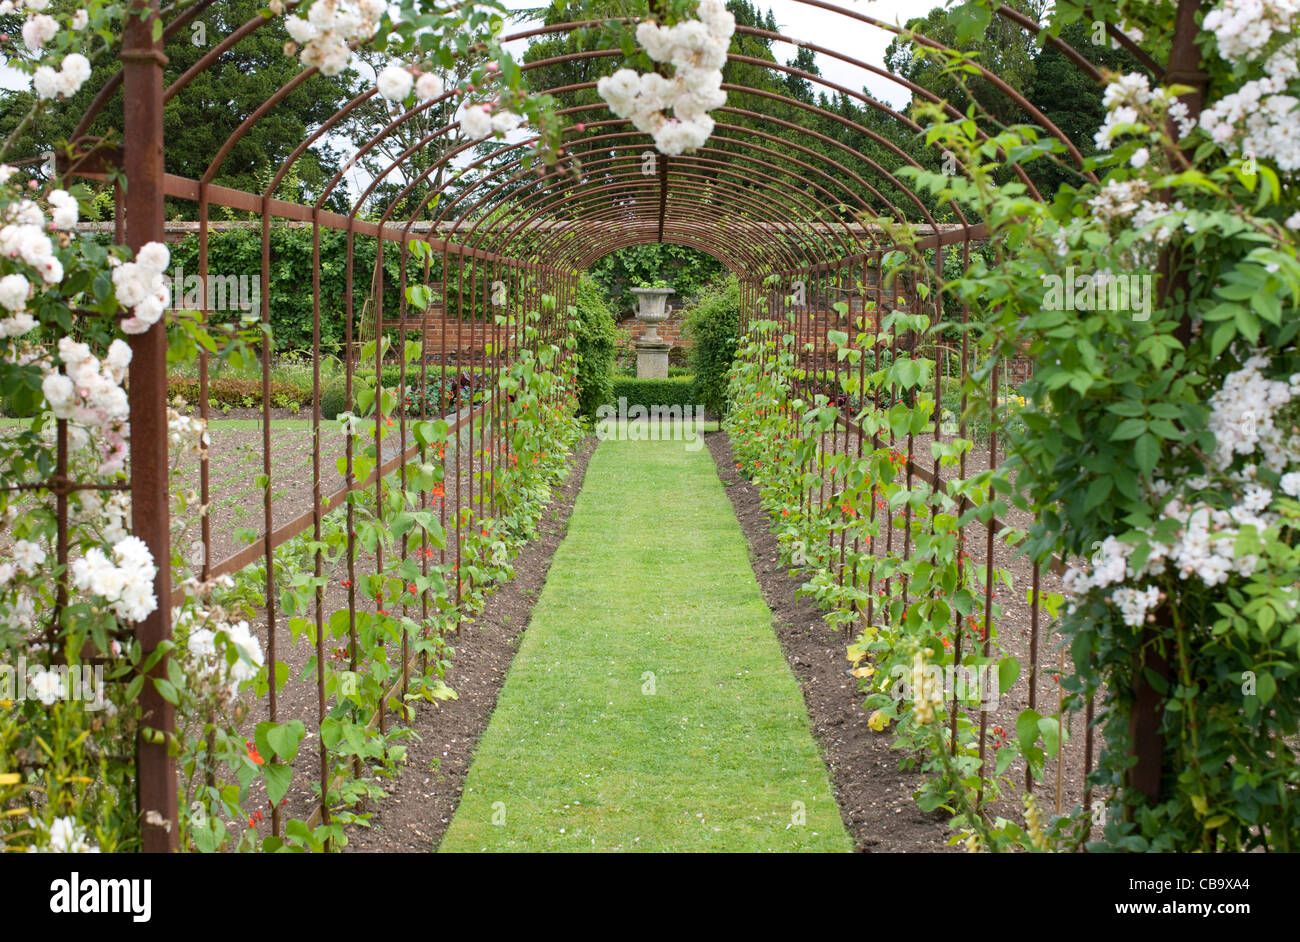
[{"x": 650, "y": 706}]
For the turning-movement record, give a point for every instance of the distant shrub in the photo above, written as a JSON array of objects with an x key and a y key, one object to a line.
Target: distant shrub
[
  {"x": 713, "y": 326},
  {"x": 593, "y": 327},
  {"x": 333, "y": 398},
  {"x": 237, "y": 393}
]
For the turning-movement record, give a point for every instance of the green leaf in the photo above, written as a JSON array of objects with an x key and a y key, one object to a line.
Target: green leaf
[
  {"x": 1223, "y": 335},
  {"x": 1027, "y": 728},
  {"x": 1051, "y": 730},
  {"x": 1129, "y": 428},
  {"x": 969, "y": 21},
  {"x": 277, "y": 778},
  {"x": 331, "y": 733},
  {"x": 1265, "y": 686},
  {"x": 1008, "y": 674},
  {"x": 1098, "y": 491},
  {"x": 285, "y": 739},
  {"x": 1147, "y": 452}
]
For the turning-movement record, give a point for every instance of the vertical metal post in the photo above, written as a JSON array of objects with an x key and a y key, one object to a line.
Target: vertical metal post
[
  {"x": 1147, "y": 740},
  {"x": 142, "y": 93}
]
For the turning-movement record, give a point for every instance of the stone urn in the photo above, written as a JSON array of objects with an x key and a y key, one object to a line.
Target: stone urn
[{"x": 651, "y": 349}]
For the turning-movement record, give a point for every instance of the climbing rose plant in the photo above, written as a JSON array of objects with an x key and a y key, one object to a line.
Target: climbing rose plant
[
  {"x": 696, "y": 49},
  {"x": 67, "y": 741},
  {"x": 1159, "y": 441},
  {"x": 1158, "y": 445}
]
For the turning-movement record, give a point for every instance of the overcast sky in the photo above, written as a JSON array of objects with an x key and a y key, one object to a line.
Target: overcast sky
[{"x": 838, "y": 32}]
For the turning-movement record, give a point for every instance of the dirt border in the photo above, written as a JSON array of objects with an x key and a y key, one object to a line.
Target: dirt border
[
  {"x": 874, "y": 795},
  {"x": 421, "y": 800}
]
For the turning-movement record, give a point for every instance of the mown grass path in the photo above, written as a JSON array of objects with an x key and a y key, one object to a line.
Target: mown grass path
[{"x": 649, "y": 706}]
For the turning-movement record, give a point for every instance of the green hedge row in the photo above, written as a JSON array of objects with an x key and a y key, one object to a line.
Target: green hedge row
[
  {"x": 713, "y": 324},
  {"x": 593, "y": 327},
  {"x": 674, "y": 391},
  {"x": 236, "y": 392}
]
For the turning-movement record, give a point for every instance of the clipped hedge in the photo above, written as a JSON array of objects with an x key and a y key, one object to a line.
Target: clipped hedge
[
  {"x": 236, "y": 392},
  {"x": 674, "y": 391},
  {"x": 593, "y": 327},
  {"x": 712, "y": 325}
]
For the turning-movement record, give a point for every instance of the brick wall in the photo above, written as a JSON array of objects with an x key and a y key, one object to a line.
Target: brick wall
[
  {"x": 669, "y": 330},
  {"x": 441, "y": 333},
  {"x": 1019, "y": 370}
]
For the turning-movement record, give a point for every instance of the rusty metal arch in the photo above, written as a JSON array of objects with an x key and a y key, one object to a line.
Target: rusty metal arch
[
  {"x": 521, "y": 174},
  {"x": 1021, "y": 20},
  {"x": 252, "y": 25},
  {"x": 671, "y": 164},
  {"x": 744, "y": 158},
  {"x": 542, "y": 219}
]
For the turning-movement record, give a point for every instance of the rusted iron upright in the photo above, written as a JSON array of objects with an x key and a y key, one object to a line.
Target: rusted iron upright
[
  {"x": 663, "y": 193},
  {"x": 1147, "y": 743},
  {"x": 142, "y": 93}
]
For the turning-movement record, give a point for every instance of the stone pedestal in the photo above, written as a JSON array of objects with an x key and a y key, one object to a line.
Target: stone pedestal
[
  {"x": 652, "y": 359},
  {"x": 651, "y": 349}
]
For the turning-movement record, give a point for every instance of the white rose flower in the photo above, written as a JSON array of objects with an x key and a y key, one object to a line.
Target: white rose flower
[
  {"x": 299, "y": 29},
  {"x": 46, "y": 82},
  {"x": 28, "y": 556},
  {"x": 622, "y": 84},
  {"x": 322, "y": 13},
  {"x": 64, "y": 209},
  {"x": 395, "y": 83},
  {"x": 60, "y": 394},
  {"x": 153, "y": 257},
  {"x": 476, "y": 122},
  {"x": 137, "y": 601},
  {"x": 334, "y": 58},
  {"x": 46, "y": 686},
  {"x": 38, "y": 30},
  {"x": 202, "y": 643},
  {"x": 74, "y": 72},
  {"x": 67, "y": 837},
  {"x": 17, "y": 325},
  {"x": 428, "y": 86},
  {"x": 51, "y": 270},
  {"x": 118, "y": 359},
  {"x": 503, "y": 122},
  {"x": 13, "y": 292},
  {"x": 655, "y": 40}
]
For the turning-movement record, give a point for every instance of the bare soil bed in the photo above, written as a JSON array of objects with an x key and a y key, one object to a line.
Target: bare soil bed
[
  {"x": 422, "y": 799},
  {"x": 298, "y": 698},
  {"x": 875, "y": 795}
]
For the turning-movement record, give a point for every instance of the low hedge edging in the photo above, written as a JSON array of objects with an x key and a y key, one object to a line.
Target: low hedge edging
[{"x": 674, "y": 391}]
